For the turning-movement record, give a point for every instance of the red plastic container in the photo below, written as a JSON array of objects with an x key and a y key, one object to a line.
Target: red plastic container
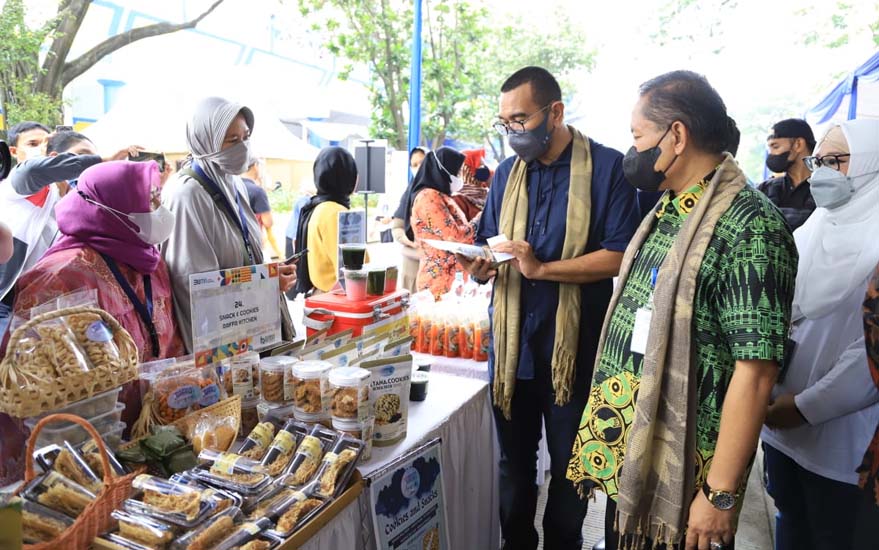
[{"x": 340, "y": 313}]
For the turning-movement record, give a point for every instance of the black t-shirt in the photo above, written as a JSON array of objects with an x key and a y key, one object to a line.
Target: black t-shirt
[
  {"x": 257, "y": 197},
  {"x": 796, "y": 203}
]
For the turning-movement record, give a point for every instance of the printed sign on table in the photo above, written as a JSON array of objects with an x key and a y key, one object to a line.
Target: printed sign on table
[
  {"x": 234, "y": 310},
  {"x": 407, "y": 502}
]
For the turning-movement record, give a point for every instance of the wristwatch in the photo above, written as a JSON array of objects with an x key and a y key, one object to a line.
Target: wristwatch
[{"x": 722, "y": 500}]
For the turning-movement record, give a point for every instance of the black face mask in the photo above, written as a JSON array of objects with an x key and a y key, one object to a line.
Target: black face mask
[
  {"x": 779, "y": 163},
  {"x": 638, "y": 167}
]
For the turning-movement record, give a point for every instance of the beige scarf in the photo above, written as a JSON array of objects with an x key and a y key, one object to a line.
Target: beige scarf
[
  {"x": 657, "y": 482},
  {"x": 508, "y": 284}
]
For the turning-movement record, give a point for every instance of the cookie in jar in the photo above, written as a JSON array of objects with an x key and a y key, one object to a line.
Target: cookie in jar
[{"x": 311, "y": 392}]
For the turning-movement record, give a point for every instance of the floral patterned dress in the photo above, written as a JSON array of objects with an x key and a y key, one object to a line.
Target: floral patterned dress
[
  {"x": 869, "y": 469},
  {"x": 437, "y": 216}
]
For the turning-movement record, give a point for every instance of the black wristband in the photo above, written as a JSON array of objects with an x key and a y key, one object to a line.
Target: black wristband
[{"x": 477, "y": 280}]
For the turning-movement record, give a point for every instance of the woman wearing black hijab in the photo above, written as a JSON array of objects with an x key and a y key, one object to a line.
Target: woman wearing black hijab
[
  {"x": 433, "y": 214},
  {"x": 335, "y": 177}
]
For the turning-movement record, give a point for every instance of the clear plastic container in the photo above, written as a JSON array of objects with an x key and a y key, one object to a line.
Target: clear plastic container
[
  {"x": 258, "y": 441},
  {"x": 244, "y": 533},
  {"x": 113, "y": 437},
  {"x": 274, "y": 412},
  {"x": 59, "y": 432},
  {"x": 249, "y": 416},
  {"x": 355, "y": 284},
  {"x": 358, "y": 430},
  {"x": 142, "y": 529},
  {"x": 337, "y": 466},
  {"x": 276, "y": 379},
  {"x": 309, "y": 455},
  {"x": 349, "y": 387},
  {"x": 41, "y": 524},
  {"x": 375, "y": 281},
  {"x": 176, "y": 503},
  {"x": 210, "y": 532},
  {"x": 56, "y": 492},
  {"x": 311, "y": 389},
  {"x": 90, "y": 408},
  {"x": 300, "y": 510}
]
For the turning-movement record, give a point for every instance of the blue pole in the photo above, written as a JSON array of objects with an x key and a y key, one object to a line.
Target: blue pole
[{"x": 415, "y": 82}]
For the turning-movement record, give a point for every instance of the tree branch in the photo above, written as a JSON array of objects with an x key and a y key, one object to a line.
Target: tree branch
[{"x": 87, "y": 60}]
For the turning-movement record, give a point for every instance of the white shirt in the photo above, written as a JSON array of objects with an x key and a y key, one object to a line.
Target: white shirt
[{"x": 834, "y": 391}]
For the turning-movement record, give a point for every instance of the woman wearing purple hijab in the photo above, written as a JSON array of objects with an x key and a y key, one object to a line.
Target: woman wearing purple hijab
[{"x": 110, "y": 227}]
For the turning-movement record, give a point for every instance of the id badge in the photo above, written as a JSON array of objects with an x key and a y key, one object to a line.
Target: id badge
[{"x": 641, "y": 330}]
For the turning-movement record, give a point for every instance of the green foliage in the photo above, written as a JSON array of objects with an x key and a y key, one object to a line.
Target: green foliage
[
  {"x": 281, "y": 200},
  {"x": 19, "y": 65},
  {"x": 464, "y": 60},
  {"x": 837, "y": 25}
]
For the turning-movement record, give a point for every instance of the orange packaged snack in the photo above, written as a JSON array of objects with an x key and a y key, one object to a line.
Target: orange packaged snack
[
  {"x": 467, "y": 336},
  {"x": 452, "y": 342},
  {"x": 437, "y": 337}
]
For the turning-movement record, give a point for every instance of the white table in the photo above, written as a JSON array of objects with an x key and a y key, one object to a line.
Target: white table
[
  {"x": 469, "y": 368},
  {"x": 458, "y": 411}
]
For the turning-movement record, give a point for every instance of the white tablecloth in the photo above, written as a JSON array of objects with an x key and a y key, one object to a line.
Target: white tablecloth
[
  {"x": 469, "y": 368},
  {"x": 458, "y": 411}
]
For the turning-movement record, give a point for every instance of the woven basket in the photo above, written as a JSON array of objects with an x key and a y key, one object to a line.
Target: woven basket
[
  {"x": 227, "y": 408},
  {"x": 24, "y": 394},
  {"x": 95, "y": 519}
]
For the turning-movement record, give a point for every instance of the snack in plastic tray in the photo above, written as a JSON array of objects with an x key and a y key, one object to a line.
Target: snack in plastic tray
[
  {"x": 308, "y": 457},
  {"x": 243, "y": 534},
  {"x": 72, "y": 465},
  {"x": 271, "y": 507},
  {"x": 299, "y": 512},
  {"x": 337, "y": 466},
  {"x": 258, "y": 544},
  {"x": 142, "y": 529},
  {"x": 40, "y": 523},
  {"x": 218, "y": 498},
  {"x": 231, "y": 471},
  {"x": 349, "y": 387},
  {"x": 210, "y": 532},
  {"x": 91, "y": 454},
  {"x": 118, "y": 542},
  {"x": 169, "y": 501},
  {"x": 258, "y": 441},
  {"x": 59, "y": 493},
  {"x": 283, "y": 447}
]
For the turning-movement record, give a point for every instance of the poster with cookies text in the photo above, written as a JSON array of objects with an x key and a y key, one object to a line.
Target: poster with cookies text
[
  {"x": 235, "y": 310},
  {"x": 408, "y": 504}
]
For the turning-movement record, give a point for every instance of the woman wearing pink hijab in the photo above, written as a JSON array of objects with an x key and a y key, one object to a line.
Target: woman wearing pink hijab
[{"x": 110, "y": 226}]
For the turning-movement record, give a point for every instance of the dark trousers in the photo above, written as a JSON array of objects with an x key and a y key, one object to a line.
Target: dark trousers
[
  {"x": 814, "y": 512},
  {"x": 565, "y": 511},
  {"x": 866, "y": 535},
  {"x": 612, "y": 540}
]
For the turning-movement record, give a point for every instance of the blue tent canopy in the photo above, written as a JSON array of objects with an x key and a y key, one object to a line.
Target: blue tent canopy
[{"x": 856, "y": 96}]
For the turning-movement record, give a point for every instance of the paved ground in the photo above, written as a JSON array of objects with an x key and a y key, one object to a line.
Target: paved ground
[{"x": 756, "y": 525}]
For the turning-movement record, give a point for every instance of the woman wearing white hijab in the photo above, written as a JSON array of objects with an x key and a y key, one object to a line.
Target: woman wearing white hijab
[
  {"x": 825, "y": 404},
  {"x": 215, "y": 227}
]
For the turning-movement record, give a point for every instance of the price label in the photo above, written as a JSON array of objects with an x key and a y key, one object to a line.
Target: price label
[{"x": 226, "y": 463}]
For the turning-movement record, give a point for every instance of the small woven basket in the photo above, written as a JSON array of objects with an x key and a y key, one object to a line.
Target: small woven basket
[
  {"x": 227, "y": 408},
  {"x": 25, "y": 393},
  {"x": 95, "y": 519}
]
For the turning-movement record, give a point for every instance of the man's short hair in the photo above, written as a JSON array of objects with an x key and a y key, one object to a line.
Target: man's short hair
[
  {"x": 794, "y": 128},
  {"x": 544, "y": 86},
  {"x": 65, "y": 141},
  {"x": 22, "y": 127}
]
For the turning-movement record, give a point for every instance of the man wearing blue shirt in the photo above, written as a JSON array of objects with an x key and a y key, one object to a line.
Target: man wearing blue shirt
[{"x": 568, "y": 213}]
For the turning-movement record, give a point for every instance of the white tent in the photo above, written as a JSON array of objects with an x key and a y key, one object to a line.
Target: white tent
[
  {"x": 855, "y": 96},
  {"x": 154, "y": 114}
]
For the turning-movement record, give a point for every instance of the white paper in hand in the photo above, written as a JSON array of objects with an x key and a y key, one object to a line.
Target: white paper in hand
[{"x": 499, "y": 257}]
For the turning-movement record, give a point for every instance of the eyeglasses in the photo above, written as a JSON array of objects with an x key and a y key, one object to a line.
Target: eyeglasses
[
  {"x": 830, "y": 161},
  {"x": 516, "y": 126}
]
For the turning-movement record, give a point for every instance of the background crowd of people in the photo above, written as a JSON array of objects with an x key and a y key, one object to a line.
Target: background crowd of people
[{"x": 739, "y": 313}]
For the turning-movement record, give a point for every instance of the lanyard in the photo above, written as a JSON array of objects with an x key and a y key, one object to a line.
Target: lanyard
[
  {"x": 144, "y": 311},
  {"x": 240, "y": 219}
]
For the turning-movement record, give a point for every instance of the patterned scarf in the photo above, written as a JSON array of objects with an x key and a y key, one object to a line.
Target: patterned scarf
[
  {"x": 657, "y": 481},
  {"x": 508, "y": 283}
]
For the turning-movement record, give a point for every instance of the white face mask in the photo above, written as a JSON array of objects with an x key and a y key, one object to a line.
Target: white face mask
[
  {"x": 153, "y": 227},
  {"x": 457, "y": 184},
  {"x": 831, "y": 188},
  {"x": 33, "y": 152},
  {"x": 234, "y": 160}
]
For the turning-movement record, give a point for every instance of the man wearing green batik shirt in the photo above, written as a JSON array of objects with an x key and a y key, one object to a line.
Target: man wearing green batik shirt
[{"x": 695, "y": 333}]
